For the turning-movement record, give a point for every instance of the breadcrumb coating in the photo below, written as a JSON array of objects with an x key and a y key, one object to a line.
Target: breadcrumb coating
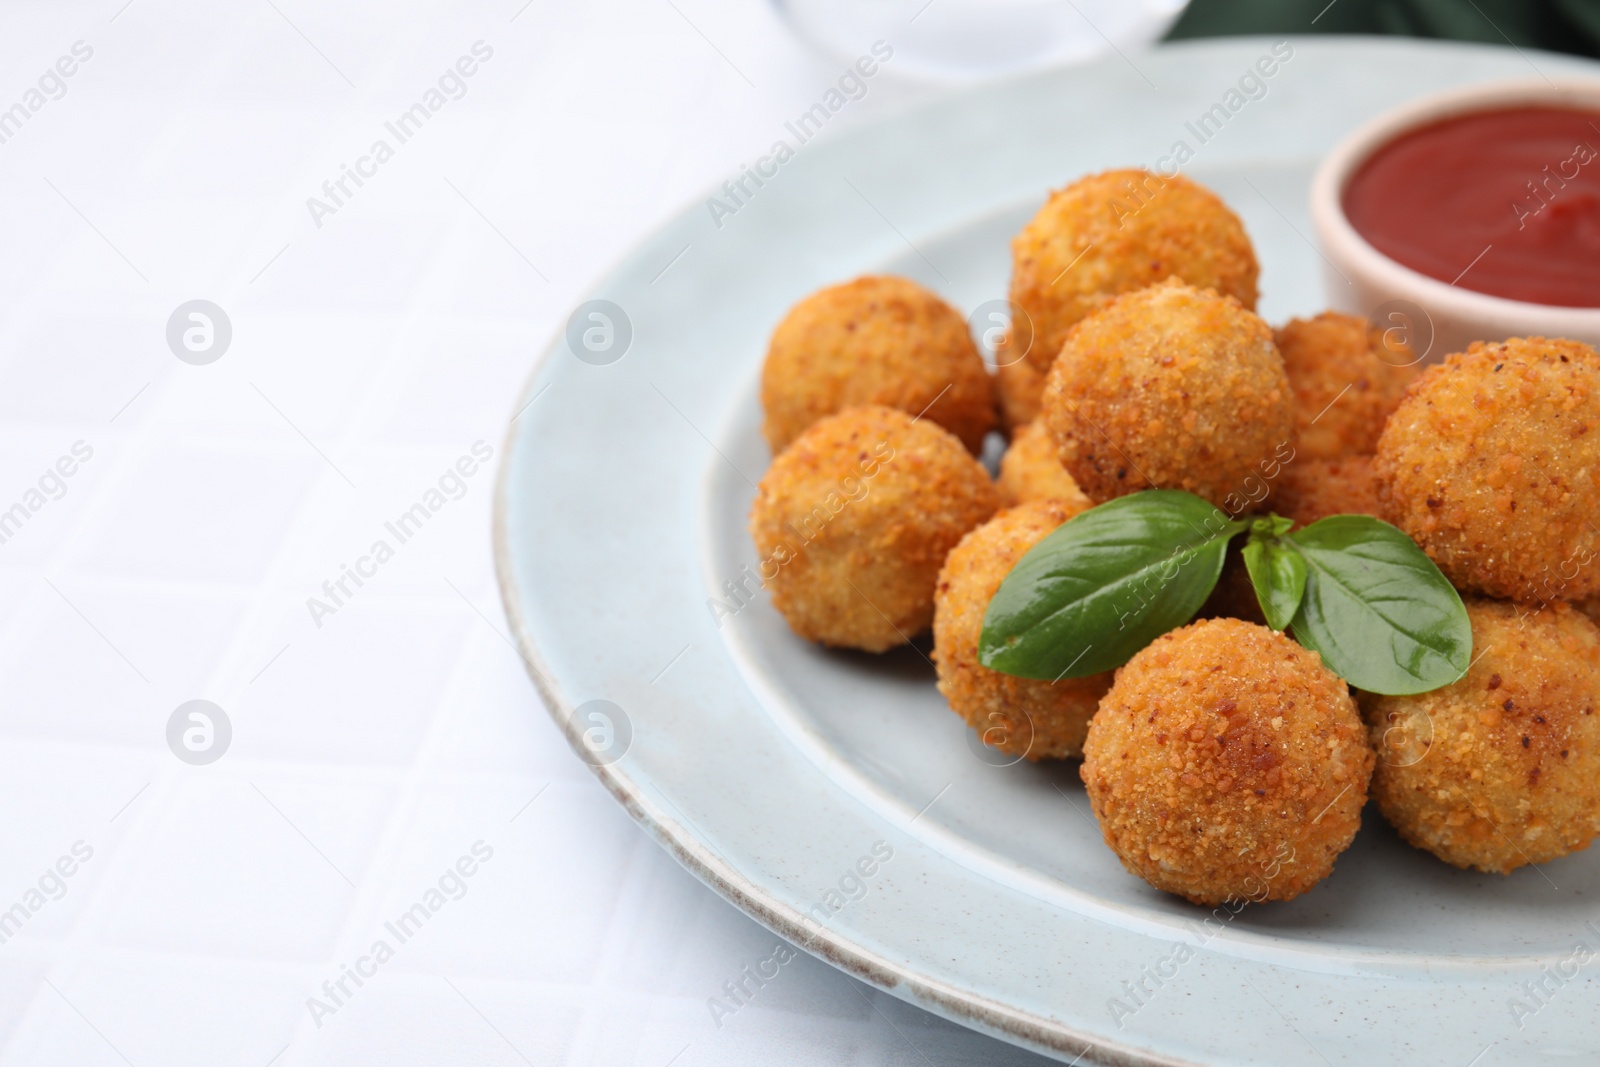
[
  {"x": 1346, "y": 384},
  {"x": 1492, "y": 464},
  {"x": 1018, "y": 388},
  {"x": 1313, "y": 489},
  {"x": 1018, "y": 716},
  {"x": 1117, "y": 231},
  {"x": 875, "y": 340},
  {"x": 1031, "y": 470},
  {"x": 1501, "y": 768},
  {"x": 1227, "y": 763},
  {"x": 854, "y": 519},
  {"x": 1173, "y": 388}
]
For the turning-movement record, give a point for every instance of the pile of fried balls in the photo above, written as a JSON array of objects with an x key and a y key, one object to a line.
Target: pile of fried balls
[{"x": 1223, "y": 761}]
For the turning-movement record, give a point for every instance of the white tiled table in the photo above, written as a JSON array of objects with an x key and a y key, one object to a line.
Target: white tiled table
[{"x": 373, "y": 751}]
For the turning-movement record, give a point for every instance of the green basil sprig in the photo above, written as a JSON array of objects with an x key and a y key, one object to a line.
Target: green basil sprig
[
  {"x": 1377, "y": 609},
  {"x": 1104, "y": 584},
  {"x": 1277, "y": 571},
  {"x": 1109, "y": 581}
]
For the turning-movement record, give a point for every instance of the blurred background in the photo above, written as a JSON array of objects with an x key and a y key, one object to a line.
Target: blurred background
[
  {"x": 962, "y": 40},
  {"x": 214, "y": 793},
  {"x": 1554, "y": 25}
]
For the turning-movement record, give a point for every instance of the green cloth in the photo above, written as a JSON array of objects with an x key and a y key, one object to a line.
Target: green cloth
[{"x": 1555, "y": 25}]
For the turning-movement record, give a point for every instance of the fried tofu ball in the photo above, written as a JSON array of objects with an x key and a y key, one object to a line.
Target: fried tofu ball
[
  {"x": 1501, "y": 768},
  {"x": 1115, "y": 232},
  {"x": 1018, "y": 716},
  {"x": 1170, "y": 388},
  {"x": 1031, "y": 470},
  {"x": 1345, "y": 382},
  {"x": 876, "y": 340},
  {"x": 1227, "y": 764},
  {"x": 857, "y": 516},
  {"x": 1313, "y": 489},
  {"x": 1492, "y": 464}
]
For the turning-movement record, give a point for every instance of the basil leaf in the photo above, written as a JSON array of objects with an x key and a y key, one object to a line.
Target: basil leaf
[
  {"x": 1104, "y": 584},
  {"x": 1377, "y": 609},
  {"x": 1278, "y": 573}
]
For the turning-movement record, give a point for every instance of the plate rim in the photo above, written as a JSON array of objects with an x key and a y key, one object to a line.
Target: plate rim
[
  {"x": 985, "y": 1014},
  {"x": 1017, "y": 1026}
]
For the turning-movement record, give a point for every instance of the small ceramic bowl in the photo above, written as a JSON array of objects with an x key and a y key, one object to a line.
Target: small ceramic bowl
[{"x": 1439, "y": 318}]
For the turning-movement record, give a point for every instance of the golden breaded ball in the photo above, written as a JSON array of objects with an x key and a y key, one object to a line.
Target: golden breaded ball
[
  {"x": 1492, "y": 465},
  {"x": 1018, "y": 716},
  {"x": 1031, "y": 470},
  {"x": 1170, "y": 388},
  {"x": 1501, "y": 768},
  {"x": 876, "y": 340},
  {"x": 1227, "y": 764},
  {"x": 1018, "y": 387},
  {"x": 1115, "y": 232},
  {"x": 857, "y": 516},
  {"x": 1313, "y": 489},
  {"x": 1345, "y": 382}
]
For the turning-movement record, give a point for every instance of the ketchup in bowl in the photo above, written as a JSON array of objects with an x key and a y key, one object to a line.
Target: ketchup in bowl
[{"x": 1505, "y": 202}]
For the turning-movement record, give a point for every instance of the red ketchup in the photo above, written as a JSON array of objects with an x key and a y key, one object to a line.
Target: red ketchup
[{"x": 1503, "y": 202}]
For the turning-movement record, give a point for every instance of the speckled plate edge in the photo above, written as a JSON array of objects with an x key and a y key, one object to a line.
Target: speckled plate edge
[
  {"x": 906, "y": 981},
  {"x": 959, "y": 1005}
]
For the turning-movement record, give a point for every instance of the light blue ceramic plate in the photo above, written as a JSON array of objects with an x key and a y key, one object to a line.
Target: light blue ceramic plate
[{"x": 834, "y": 797}]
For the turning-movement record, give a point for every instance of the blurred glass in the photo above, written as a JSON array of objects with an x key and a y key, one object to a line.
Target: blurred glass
[{"x": 969, "y": 40}]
